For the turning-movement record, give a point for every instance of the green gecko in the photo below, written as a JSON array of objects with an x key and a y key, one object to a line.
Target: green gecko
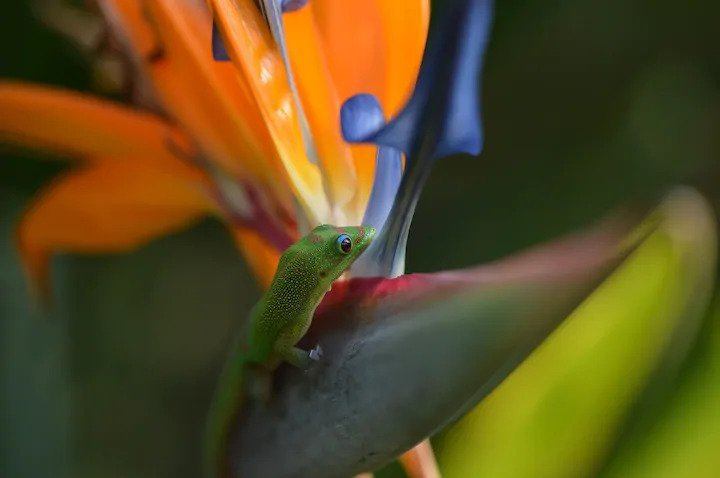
[{"x": 278, "y": 321}]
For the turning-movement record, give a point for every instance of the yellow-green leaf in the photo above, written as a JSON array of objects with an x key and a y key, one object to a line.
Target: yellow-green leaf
[
  {"x": 558, "y": 414},
  {"x": 684, "y": 439}
]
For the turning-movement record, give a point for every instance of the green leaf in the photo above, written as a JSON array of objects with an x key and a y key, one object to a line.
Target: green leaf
[{"x": 559, "y": 413}]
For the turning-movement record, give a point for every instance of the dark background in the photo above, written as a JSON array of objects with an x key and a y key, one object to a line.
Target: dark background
[{"x": 588, "y": 104}]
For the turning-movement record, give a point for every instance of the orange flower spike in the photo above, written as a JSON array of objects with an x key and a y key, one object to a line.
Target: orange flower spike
[
  {"x": 255, "y": 55},
  {"x": 76, "y": 124},
  {"x": 322, "y": 105},
  {"x": 354, "y": 55}
]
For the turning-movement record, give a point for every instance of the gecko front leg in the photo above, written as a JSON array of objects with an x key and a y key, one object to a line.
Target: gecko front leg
[
  {"x": 287, "y": 351},
  {"x": 295, "y": 356}
]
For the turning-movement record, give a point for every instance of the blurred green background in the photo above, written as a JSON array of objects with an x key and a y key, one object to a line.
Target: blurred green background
[{"x": 588, "y": 105}]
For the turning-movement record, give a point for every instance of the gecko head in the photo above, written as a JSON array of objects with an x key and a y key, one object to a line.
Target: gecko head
[{"x": 336, "y": 248}]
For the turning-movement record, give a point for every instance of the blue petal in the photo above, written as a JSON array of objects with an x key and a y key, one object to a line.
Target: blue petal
[
  {"x": 218, "y": 45},
  {"x": 445, "y": 106},
  {"x": 292, "y": 5},
  {"x": 441, "y": 118},
  {"x": 360, "y": 117},
  {"x": 388, "y": 173}
]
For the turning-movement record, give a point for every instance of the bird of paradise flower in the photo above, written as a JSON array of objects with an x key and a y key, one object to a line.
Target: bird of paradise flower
[
  {"x": 210, "y": 137},
  {"x": 289, "y": 133}
]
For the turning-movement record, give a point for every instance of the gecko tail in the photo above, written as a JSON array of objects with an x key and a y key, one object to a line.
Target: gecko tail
[
  {"x": 240, "y": 383},
  {"x": 227, "y": 402}
]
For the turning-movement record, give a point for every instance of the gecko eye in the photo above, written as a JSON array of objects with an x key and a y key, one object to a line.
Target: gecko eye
[{"x": 344, "y": 243}]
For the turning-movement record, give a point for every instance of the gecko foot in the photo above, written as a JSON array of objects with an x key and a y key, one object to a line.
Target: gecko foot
[{"x": 316, "y": 353}]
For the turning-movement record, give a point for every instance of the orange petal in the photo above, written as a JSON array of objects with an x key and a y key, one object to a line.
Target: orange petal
[
  {"x": 173, "y": 56},
  {"x": 364, "y": 157},
  {"x": 253, "y": 51},
  {"x": 170, "y": 40},
  {"x": 374, "y": 46},
  {"x": 405, "y": 28},
  {"x": 76, "y": 124},
  {"x": 353, "y": 44},
  {"x": 261, "y": 256},
  {"x": 108, "y": 207}
]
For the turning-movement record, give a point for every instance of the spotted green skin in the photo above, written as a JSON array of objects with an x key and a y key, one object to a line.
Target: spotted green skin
[{"x": 278, "y": 321}]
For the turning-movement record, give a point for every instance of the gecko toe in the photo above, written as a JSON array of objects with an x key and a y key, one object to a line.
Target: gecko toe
[{"x": 316, "y": 353}]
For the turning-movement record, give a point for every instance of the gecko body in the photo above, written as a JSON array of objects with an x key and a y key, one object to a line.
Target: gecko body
[{"x": 305, "y": 273}]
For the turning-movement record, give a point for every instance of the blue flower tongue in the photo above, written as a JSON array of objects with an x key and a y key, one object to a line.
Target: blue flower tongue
[
  {"x": 444, "y": 108},
  {"x": 363, "y": 114},
  {"x": 359, "y": 116},
  {"x": 292, "y": 5},
  {"x": 218, "y": 45},
  {"x": 441, "y": 118}
]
